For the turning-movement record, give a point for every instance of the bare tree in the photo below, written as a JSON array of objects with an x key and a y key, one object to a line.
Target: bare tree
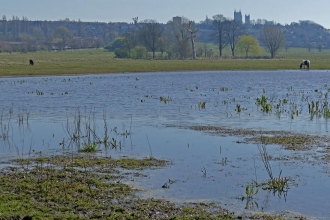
[
  {"x": 205, "y": 49},
  {"x": 113, "y": 32},
  {"x": 309, "y": 46},
  {"x": 64, "y": 34},
  {"x": 233, "y": 30},
  {"x": 150, "y": 32},
  {"x": 180, "y": 36},
  {"x": 287, "y": 46},
  {"x": 132, "y": 37},
  {"x": 25, "y": 24},
  {"x": 192, "y": 36},
  {"x": 273, "y": 38},
  {"x": 320, "y": 47},
  {"x": 162, "y": 44},
  {"x": 219, "y": 35}
]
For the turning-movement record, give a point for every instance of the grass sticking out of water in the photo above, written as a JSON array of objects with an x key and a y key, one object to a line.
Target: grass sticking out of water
[
  {"x": 165, "y": 100},
  {"x": 201, "y": 105},
  {"x": 86, "y": 187},
  {"x": 88, "y": 148},
  {"x": 291, "y": 142}
]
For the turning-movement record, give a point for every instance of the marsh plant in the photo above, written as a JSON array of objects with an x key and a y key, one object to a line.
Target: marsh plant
[
  {"x": 165, "y": 100},
  {"x": 201, "y": 105},
  {"x": 39, "y": 92},
  {"x": 262, "y": 100},
  {"x": 265, "y": 106},
  {"x": 84, "y": 132},
  {"x": 251, "y": 190},
  {"x": 293, "y": 106},
  {"x": 203, "y": 170},
  {"x": 279, "y": 185},
  {"x": 239, "y": 109},
  {"x": 4, "y": 127},
  {"x": 88, "y": 148}
]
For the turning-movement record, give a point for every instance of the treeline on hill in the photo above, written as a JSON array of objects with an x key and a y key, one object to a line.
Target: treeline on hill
[{"x": 175, "y": 39}]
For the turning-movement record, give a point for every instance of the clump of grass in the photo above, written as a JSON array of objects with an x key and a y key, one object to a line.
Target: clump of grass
[
  {"x": 326, "y": 113},
  {"x": 239, "y": 108},
  {"x": 88, "y": 148},
  {"x": 262, "y": 100},
  {"x": 39, "y": 92},
  {"x": 165, "y": 100},
  {"x": 201, "y": 105},
  {"x": 131, "y": 163},
  {"x": 293, "y": 142},
  {"x": 251, "y": 190},
  {"x": 265, "y": 106}
]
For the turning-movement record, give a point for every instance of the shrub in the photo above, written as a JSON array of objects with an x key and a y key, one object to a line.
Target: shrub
[
  {"x": 169, "y": 54},
  {"x": 139, "y": 52},
  {"x": 121, "y": 53}
]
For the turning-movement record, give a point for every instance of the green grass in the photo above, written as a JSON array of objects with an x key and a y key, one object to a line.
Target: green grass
[
  {"x": 91, "y": 61},
  {"x": 90, "y": 187},
  {"x": 86, "y": 188}
]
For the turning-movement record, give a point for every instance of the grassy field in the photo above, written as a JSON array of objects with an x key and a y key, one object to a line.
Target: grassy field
[{"x": 101, "y": 61}]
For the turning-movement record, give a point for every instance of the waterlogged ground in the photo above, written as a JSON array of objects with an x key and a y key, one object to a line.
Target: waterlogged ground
[{"x": 207, "y": 124}]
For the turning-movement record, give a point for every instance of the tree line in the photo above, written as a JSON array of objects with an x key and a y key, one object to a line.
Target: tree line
[
  {"x": 22, "y": 35},
  {"x": 176, "y": 39}
]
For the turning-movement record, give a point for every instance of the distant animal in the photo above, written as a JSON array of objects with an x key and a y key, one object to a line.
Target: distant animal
[
  {"x": 305, "y": 63},
  {"x": 31, "y": 62}
]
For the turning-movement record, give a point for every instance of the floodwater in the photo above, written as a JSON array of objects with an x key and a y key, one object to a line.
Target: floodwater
[{"x": 156, "y": 110}]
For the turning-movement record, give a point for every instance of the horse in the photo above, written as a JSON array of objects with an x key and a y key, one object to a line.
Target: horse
[
  {"x": 305, "y": 63},
  {"x": 31, "y": 62}
]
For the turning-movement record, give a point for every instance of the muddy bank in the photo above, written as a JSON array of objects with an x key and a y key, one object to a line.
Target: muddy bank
[{"x": 88, "y": 187}]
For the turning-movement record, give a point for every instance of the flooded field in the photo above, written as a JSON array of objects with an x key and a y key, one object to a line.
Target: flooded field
[{"x": 204, "y": 123}]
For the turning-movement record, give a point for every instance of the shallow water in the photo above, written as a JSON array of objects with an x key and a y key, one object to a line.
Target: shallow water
[{"x": 38, "y": 113}]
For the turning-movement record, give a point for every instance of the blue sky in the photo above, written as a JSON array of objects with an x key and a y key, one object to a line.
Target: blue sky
[{"x": 280, "y": 11}]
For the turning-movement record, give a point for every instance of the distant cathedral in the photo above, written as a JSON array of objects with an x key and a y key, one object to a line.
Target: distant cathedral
[
  {"x": 238, "y": 17},
  {"x": 247, "y": 20}
]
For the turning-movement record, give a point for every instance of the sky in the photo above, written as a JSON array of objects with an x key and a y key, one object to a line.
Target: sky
[{"x": 280, "y": 11}]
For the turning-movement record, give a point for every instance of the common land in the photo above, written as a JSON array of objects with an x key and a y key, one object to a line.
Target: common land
[{"x": 90, "y": 61}]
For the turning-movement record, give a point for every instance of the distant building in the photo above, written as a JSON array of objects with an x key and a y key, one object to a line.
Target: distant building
[
  {"x": 238, "y": 16},
  {"x": 177, "y": 20},
  {"x": 247, "y": 20},
  {"x": 135, "y": 20}
]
